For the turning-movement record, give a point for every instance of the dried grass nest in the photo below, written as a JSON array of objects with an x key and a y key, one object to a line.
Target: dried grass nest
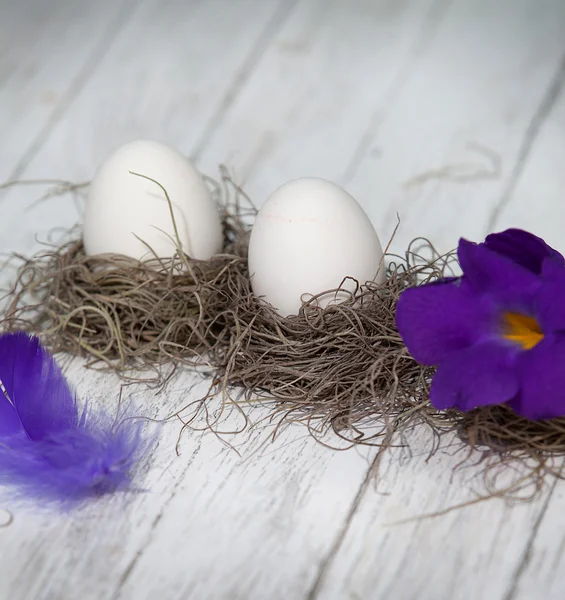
[
  {"x": 126, "y": 315},
  {"x": 342, "y": 369}
]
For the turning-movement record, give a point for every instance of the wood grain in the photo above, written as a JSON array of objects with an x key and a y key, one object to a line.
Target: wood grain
[
  {"x": 166, "y": 77},
  {"x": 317, "y": 88},
  {"x": 47, "y": 51},
  {"x": 370, "y": 94},
  {"x": 465, "y": 111},
  {"x": 535, "y": 201}
]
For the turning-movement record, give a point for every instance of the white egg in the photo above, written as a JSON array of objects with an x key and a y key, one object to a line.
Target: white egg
[
  {"x": 308, "y": 236},
  {"x": 127, "y": 214}
]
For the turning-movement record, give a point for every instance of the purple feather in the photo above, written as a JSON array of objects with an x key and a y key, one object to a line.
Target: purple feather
[{"x": 48, "y": 450}]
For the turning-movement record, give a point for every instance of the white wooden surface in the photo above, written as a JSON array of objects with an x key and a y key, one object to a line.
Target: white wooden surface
[{"x": 370, "y": 94}]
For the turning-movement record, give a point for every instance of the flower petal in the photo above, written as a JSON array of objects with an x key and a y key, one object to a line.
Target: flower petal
[
  {"x": 522, "y": 248},
  {"x": 542, "y": 380},
  {"x": 549, "y": 304},
  {"x": 437, "y": 319},
  {"x": 492, "y": 273},
  {"x": 476, "y": 376}
]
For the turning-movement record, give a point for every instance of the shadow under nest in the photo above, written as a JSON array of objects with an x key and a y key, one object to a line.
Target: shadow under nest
[{"x": 343, "y": 369}]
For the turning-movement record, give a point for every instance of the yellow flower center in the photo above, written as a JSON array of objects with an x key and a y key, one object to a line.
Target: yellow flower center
[{"x": 522, "y": 330}]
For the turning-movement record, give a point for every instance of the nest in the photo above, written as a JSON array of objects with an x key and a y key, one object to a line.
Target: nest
[
  {"x": 535, "y": 449},
  {"x": 344, "y": 370},
  {"x": 124, "y": 314},
  {"x": 344, "y": 367}
]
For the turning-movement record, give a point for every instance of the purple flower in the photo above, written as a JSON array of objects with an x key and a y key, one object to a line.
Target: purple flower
[{"x": 497, "y": 333}]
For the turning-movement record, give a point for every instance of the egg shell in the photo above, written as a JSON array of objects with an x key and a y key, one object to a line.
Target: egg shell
[
  {"x": 126, "y": 214},
  {"x": 308, "y": 236}
]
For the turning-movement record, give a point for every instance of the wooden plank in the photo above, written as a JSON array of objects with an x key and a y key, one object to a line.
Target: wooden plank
[
  {"x": 539, "y": 574},
  {"x": 47, "y": 51},
  {"x": 166, "y": 77},
  {"x": 469, "y": 553},
  {"x": 534, "y": 199},
  {"x": 318, "y": 88},
  {"x": 466, "y": 110}
]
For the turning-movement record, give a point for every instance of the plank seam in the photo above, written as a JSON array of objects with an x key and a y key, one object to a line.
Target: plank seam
[
  {"x": 336, "y": 546},
  {"x": 430, "y": 26},
  {"x": 543, "y": 111},
  {"x": 275, "y": 23},
  {"x": 76, "y": 85},
  {"x": 133, "y": 563},
  {"x": 527, "y": 554}
]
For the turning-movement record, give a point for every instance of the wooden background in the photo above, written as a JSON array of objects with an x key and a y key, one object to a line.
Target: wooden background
[{"x": 370, "y": 94}]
